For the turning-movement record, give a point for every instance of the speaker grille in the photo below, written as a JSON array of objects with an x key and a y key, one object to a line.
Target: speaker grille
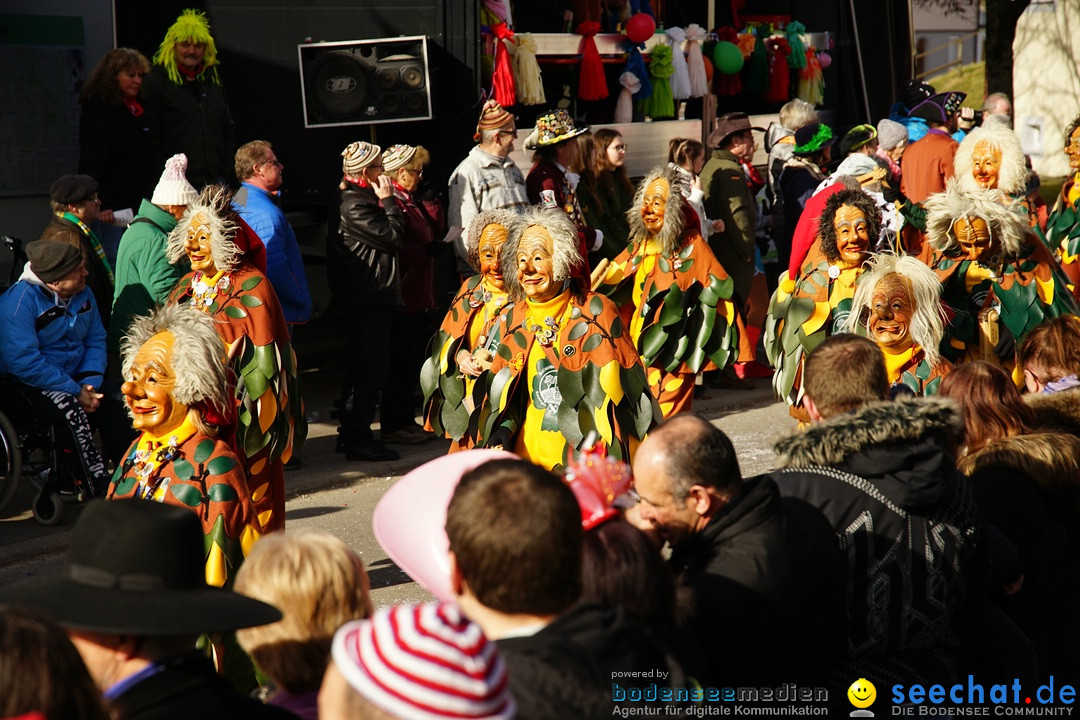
[{"x": 340, "y": 83}]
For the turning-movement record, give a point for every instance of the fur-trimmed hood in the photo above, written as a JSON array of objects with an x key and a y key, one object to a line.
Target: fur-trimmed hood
[
  {"x": 904, "y": 448},
  {"x": 1050, "y": 459},
  {"x": 1057, "y": 412}
]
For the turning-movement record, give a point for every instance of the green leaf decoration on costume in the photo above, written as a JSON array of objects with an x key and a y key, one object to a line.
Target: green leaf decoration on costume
[
  {"x": 504, "y": 352},
  {"x": 922, "y": 370},
  {"x": 592, "y": 342},
  {"x": 236, "y": 313},
  {"x": 575, "y": 312},
  {"x": 186, "y": 494},
  {"x": 214, "y": 307},
  {"x": 123, "y": 485},
  {"x": 686, "y": 265},
  {"x": 596, "y": 305},
  {"x": 183, "y": 469},
  {"x": 251, "y": 283},
  {"x": 222, "y": 492},
  {"x": 250, "y": 301},
  {"x": 220, "y": 465},
  {"x": 203, "y": 451},
  {"x": 686, "y": 251},
  {"x": 663, "y": 264},
  {"x": 520, "y": 339},
  {"x": 577, "y": 331},
  {"x": 616, "y": 327}
]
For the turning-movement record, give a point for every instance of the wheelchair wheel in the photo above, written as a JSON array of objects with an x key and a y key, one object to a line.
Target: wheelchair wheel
[
  {"x": 48, "y": 508},
  {"x": 10, "y": 462}
]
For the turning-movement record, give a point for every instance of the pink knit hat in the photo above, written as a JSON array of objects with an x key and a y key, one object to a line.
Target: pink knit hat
[
  {"x": 424, "y": 662},
  {"x": 173, "y": 188}
]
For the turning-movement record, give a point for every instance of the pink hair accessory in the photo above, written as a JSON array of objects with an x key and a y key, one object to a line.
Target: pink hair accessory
[{"x": 597, "y": 480}]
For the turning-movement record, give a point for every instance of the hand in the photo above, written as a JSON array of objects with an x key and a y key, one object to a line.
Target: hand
[
  {"x": 967, "y": 118},
  {"x": 718, "y": 226},
  {"x": 383, "y": 187},
  {"x": 467, "y": 364},
  {"x": 89, "y": 398},
  {"x": 106, "y": 216}
]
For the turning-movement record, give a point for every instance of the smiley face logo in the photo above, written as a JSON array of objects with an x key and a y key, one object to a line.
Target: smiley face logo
[{"x": 862, "y": 693}]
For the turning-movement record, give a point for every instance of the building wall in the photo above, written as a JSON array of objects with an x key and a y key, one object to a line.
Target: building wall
[{"x": 1046, "y": 81}]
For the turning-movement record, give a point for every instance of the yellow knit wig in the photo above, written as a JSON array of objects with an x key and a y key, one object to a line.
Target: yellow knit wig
[{"x": 194, "y": 26}]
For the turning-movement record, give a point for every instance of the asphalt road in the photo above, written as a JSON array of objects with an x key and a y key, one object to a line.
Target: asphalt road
[{"x": 333, "y": 494}]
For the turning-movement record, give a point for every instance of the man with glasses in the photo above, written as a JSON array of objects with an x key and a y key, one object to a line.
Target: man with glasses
[
  {"x": 75, "y": 206},
  {"x": 259, "y": 204},
  {"x": 487, "y": 179}
]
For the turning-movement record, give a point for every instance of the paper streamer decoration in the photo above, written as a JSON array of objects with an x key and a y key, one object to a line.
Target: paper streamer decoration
[
  {"x": 794, "y": 32},
  {"x": 811, "y": 81},
  {"x": 592, "y": 85},
  {"x": 530, "y": 88},
  {"x": 757, "y": 73},
  {"x": 636, "y": 64},
  {"x": 660, "y": 104},
  {"x": 502, "y": 77},
  {"x": 779, "y": 71},
  {"x": 624, "y": 106},
  {"x": 680, "y": 78},
  {"x": 695, "y": 63}
]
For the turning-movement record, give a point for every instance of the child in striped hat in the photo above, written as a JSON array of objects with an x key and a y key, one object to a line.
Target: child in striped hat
[{"x": 415, "y": 662}]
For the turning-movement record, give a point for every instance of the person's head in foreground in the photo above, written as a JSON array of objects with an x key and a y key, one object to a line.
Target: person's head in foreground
[
  {"x": 842, "y": 374},
  {"x": 415, "y": 662}
]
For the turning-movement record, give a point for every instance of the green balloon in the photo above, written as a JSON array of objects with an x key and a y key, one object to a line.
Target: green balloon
[{"x": 728, "y": 57}]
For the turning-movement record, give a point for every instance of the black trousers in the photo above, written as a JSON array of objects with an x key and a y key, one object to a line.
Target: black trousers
[
  {"x": 409, "y": 340},
  {"x": 367, "y": 367}
]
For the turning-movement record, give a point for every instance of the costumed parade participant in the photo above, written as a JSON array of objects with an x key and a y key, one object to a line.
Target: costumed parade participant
[
  {"x": 466, "y": 342},
  {"x": 803, "y": 312},
  {"x": 565, "y": 366},
  {"x": 226, "y": 284},
  {"x": 998, "y": 278},
  {"x": 674, "y": 295},
  {"x": 1063, "y": 223},
  {"x": 176, "y": 387},
  {"x": 898, "y": 304}
]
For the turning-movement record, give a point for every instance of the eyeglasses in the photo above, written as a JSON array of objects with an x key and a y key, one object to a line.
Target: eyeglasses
[
  {"x": 275, "y": 162},
  {"x": 620, "y": 148},
  {"x": 417, "y": 173}
]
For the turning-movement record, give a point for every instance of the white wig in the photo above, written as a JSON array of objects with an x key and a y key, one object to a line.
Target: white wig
[
  {"x": 214, "y": 204},
  {"x": 1005, "y": 223},
  {"x": 670, "y": 234},
  {"x": 928, "y": 318},
  {"x": 499, "y": 216},
  {"x": 564, "y": 243},
  {"x": 1012, "y": 177},
  {"x": 198, "y": 354}
]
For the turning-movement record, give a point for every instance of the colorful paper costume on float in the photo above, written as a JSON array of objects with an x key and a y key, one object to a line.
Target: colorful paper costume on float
[
  {"x": 674, "y": 294},
  {"x": 802, "y": 313},
  {"x": 176, "y": 388},
  {"x": 998, "y": 278},
  {"x": 897, "y": 304},
  {"x": 465, "y": 344},
  {"x": 565, "y": 366},
  {"x": 223, "y": 283}
]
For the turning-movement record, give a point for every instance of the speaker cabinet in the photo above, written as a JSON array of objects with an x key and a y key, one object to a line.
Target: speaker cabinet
[{"x": 361, "y": 82}]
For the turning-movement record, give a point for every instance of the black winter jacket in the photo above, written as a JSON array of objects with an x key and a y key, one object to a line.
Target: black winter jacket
[
  {"x": 364, "y": 237},
  {"x": 765, "y": 581}
]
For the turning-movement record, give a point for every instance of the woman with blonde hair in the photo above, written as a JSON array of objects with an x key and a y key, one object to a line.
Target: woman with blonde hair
[{"x": 318, "y": 583}]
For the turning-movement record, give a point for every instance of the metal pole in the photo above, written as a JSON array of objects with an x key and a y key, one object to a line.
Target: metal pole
[{"x": 858, "y": 53}]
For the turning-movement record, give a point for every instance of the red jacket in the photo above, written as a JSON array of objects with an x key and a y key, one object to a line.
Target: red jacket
[{"x": 548, "y": 187}]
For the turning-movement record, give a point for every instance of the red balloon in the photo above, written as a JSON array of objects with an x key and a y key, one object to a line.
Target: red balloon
[{"x": 640, "y": 28}]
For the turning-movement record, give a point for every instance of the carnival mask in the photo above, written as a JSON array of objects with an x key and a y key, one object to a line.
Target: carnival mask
[
  {"x": 148, "y": 390},
  {"x": 197, "y": 245},
  {"x": 489, "y": 246},
  {"x": 1072, "y": 149},
  {"x": 654, "y": 205},
  {"x": 985, "y": 165},
  {"x": 973, "y": 235},
  {"x": 852, "y": 235},
  {"x": 536, "y": 266},
  {"x": 891, "y": 310}
]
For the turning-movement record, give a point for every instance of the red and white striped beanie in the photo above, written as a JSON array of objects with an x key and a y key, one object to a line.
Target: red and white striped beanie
[{"x": 424, "y": 662}]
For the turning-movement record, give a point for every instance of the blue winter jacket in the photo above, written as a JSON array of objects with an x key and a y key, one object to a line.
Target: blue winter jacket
[
  {"x": 284, "y": 266},
  {"x": 47, "y": 344}
]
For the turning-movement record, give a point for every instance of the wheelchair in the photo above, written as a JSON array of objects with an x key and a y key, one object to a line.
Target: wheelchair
[
  {"x": 32, "y": 450},
  {"x": 29, "y": 447}
]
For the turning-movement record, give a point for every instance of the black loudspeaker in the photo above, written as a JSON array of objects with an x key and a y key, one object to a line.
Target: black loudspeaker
[{"x": 360, "y": 82}]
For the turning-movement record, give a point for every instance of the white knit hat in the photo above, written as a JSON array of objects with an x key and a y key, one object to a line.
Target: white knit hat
[
  {"x": 424, "y": 662},
  {"x": 358, "y": 155},
  {"x": 173, "y": 188}
]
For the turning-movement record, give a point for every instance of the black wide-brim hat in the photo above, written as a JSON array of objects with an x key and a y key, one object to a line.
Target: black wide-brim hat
[{"x": 137, "y": 567}]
